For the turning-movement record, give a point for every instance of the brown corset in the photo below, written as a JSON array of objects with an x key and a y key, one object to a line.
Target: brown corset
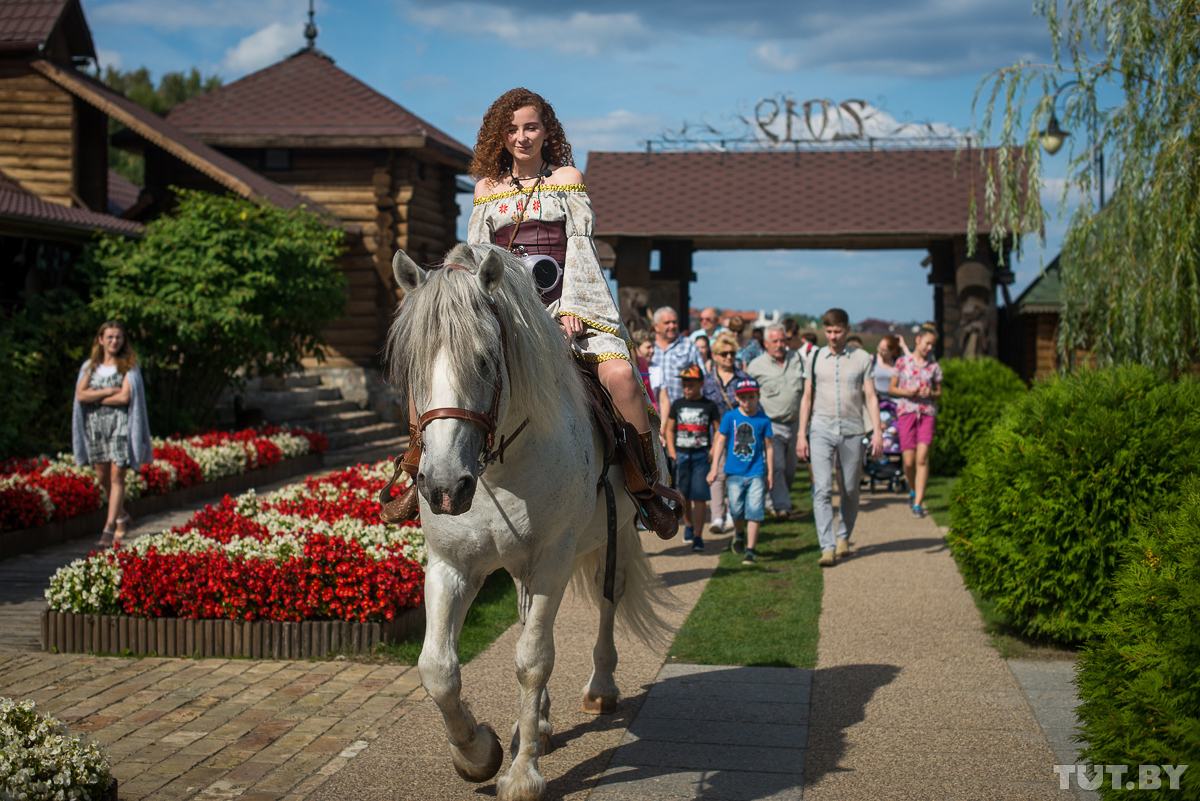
[{"x": 538, "y": 238}]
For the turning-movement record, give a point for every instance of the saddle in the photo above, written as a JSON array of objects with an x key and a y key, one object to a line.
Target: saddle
[{"x": 623, "y": 445}]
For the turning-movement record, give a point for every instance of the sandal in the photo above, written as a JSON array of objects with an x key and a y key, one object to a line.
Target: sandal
[
  {"x": 123, "y": 520},
  {"x": 106, "y": 538}
]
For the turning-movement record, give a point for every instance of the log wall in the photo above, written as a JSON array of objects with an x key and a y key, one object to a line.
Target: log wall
[{"x": 36, "y": 123}]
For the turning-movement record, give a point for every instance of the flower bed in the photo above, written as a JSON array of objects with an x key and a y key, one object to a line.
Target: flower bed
[
  {"x": 34, "y": 492},
  {"x": 310, "y": 551},
  {"x": 40, "y": 761}
]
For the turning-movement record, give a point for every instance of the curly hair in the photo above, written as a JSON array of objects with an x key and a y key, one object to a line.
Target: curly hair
[
  {"x": 492, "y": 159},
  {"x": 126, "y": 358}
]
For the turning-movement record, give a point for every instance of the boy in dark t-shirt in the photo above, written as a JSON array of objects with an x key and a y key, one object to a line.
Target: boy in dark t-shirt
[{"x": 690, "y": 425}]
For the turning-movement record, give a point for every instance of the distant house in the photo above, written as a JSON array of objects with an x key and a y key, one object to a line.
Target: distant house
[{"x": 1037, "y": 313}]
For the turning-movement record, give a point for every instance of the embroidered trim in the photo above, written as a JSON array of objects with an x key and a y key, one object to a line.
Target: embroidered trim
[
  {"x": 479, "y": 201},
  {"x": 601, "y": 357},
  {"x": 608, "y": 329}
]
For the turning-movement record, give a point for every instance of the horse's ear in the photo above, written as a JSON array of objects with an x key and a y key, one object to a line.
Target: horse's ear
[
  {"x": 491, "y": 271},
  {"x": 408, "y": 275}
]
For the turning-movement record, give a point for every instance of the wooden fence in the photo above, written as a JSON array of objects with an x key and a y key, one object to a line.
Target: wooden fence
[{"x": 65, "y": 632}]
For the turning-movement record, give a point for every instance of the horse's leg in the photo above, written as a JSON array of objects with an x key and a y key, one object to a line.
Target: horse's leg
[
  {"x": 545, "y": 730},
  {"x": 534, "y": 661},
  {"x": 600, "y": 694},
  {"x": 474, "y": 748}
]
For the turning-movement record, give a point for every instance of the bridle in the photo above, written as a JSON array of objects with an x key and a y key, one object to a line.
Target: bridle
[{"x": 487, "y": 420}]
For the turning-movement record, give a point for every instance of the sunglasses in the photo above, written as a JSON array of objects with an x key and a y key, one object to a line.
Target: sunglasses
[{"x": 727, "y": 353}]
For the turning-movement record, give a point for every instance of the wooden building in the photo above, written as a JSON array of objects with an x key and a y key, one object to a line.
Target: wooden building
[
  {"x": 883, "y": 198},
  {"x": 300, "y": 132},
  {"x": 386, "y": 173},
  {"x": 1035, "y": 318}
]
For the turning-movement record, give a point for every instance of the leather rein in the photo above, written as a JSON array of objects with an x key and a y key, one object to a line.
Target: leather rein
[{"x": 487, "y": 420}]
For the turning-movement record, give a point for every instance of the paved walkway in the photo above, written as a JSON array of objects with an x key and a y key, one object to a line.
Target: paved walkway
[{"x": 908, "y": 700}]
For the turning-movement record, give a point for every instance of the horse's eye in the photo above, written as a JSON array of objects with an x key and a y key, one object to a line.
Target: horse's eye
[{"x": 482, "y": 365}]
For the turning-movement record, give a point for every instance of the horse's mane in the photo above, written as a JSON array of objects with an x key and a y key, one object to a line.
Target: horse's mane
[{"x": 449, "y": 312}]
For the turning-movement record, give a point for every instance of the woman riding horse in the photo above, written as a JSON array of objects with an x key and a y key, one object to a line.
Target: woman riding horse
[{"x": 531, "y": 200}]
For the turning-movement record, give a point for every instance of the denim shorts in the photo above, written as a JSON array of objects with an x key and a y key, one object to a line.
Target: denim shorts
[
  {"x": 746, "y": 497},
  {"x": 691, "y": 475}
]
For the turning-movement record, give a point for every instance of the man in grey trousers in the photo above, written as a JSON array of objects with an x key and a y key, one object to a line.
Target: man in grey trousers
[
  {"x": 780, "y": 375},
  {"x": 841, "y": 384}
]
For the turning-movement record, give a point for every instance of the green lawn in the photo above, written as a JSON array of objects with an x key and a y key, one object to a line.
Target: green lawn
[
  {"x": 938, "y": 493},
  {"x": 494, "y": 610},
  {"x": 763, "y": 614}
]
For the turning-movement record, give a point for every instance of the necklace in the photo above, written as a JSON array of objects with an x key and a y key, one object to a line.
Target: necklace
[{"x": 541, "y": 173}]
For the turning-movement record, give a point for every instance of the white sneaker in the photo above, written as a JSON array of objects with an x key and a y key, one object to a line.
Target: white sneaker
[{"x": 715, "y": 527}]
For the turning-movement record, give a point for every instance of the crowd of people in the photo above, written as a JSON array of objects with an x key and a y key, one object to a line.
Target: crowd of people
[{"x": 741, "y": 411}]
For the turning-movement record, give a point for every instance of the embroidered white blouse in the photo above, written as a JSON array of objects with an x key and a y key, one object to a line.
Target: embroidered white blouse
[{"x": 585, "y": 292}]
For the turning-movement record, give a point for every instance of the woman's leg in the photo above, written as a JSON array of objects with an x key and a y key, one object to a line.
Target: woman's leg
[
  {"x": 910, "y": 468},
  {"x": 626, "y": 389},
  {"x": 104, "y": 474},
  {"x": 922, "y": 471},
  {"x": 116, "y": 501}
]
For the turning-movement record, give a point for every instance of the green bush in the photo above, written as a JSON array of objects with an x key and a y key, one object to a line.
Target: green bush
[
  {"x": 1045, "y": 507},
  {"x": 975, "y": 393},
  {"x": 43, "y": 343},
  {"x": 1138, "y": 680},
  {"x": 221, "y": 285}
]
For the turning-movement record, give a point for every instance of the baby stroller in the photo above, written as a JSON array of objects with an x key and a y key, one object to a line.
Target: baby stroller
[{"x": 889, "y": 467}]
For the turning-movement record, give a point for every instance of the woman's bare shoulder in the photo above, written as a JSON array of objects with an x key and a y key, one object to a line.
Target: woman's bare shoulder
[
  {"x": 565, "y": 176},
  {"x": 485, "y": 187}
]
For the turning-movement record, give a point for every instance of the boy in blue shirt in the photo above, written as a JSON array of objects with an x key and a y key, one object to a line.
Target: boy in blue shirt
[{"x": 746, "y": 434}]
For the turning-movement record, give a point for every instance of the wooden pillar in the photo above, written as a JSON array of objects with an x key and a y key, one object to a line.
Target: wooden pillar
[
  {"x": 677, "y": 269},
  {"x": 941, "y": 275},
  {"x": 631, "y": 271}
]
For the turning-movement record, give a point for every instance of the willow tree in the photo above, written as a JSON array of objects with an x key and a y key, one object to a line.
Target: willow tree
[{"x": 1125, "y": 80}]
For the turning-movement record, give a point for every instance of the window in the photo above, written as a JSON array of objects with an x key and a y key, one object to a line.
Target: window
[{"x": 277, "y": 158}]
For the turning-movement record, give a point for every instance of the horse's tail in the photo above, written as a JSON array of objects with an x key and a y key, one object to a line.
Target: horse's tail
[{"x": 645, "y": 596}]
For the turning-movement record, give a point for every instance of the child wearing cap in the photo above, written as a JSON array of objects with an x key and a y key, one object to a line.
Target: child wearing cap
[
  {"x": 745, "y": 434},
  {"x": 690, "y": 425}
]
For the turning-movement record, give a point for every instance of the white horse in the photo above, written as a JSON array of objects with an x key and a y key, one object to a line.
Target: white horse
[{"x": 474, "y": 336}]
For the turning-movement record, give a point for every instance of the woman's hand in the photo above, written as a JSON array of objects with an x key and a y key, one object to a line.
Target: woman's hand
[{"x": 571, "y": 326}]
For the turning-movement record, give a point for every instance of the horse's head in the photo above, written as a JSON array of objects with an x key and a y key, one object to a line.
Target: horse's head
[{"x": 446, "y": 349}]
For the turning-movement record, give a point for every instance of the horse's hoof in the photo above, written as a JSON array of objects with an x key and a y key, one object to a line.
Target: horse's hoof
[
  {"x": 521, "y": 785},
  {"x": 599, "y": 706},
  {"x": 482, "y": 759}
]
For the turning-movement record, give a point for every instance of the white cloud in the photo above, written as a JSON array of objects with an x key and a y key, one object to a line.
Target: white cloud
[
  {"x": 616, "y": 130},
  {"x": 181, "y": 14},
  {"x": 108, "y": 58},
  {"x": 263, "y": 47},
  {"x": 581, "y": 32},
  {"x": 425, "y": 83}
]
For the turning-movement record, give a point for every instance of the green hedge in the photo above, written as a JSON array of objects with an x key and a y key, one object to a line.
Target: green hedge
[
  {"x": 975, "y": 393},
  {"x": 1044, "y": 509},
  {"x": 1140, "y": 680}
]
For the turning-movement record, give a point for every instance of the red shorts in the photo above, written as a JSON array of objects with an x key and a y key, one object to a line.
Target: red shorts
[{"x": 914, "y": 430}]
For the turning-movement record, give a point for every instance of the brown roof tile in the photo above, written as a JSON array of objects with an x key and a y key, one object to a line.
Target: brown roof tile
[
  {"x": 305, "y": 95},
  {"x": 18, "y": 204},
  {"x": 226, "y": 171},
  {"x": 892, "y": 194},
  {"x": 28, "y": 21}
]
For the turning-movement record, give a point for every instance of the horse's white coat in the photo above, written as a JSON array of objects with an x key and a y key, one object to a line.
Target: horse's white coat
[{"x": 539, "y": 514}]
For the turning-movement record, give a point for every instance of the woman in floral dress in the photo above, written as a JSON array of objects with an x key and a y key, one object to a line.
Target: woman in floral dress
[
  {"x": 110, "y": 429},
  {"x": 916, "y": 385}
]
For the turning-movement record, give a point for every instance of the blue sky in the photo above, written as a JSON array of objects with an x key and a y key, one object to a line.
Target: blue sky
[{"x": 621, "y": 71}]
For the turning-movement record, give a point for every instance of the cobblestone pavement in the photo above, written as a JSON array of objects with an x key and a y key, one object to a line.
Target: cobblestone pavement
[{"x": 215, "y": 728}]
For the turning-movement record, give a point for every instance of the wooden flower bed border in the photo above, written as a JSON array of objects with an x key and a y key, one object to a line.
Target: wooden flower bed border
[
  {"x": 64, "y": 632},
  {"x": 29, "y": 540}
]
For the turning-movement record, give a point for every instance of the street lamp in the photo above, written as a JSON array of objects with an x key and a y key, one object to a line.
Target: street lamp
[{"x": 1053, "y": 137}]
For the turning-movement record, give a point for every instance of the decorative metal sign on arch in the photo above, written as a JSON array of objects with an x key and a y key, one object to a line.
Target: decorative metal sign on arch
[{"x": 782, "y": 121}]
